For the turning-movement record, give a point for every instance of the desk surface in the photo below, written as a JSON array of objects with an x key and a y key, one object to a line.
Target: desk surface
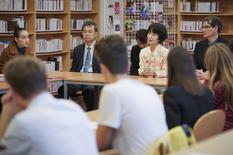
[
  {"x": 218, "y": 145},
  {"x": 99, "y": 78}
]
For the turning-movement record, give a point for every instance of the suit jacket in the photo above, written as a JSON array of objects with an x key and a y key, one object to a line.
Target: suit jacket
[
  {"x": 200, "y": 50},
  {"x": 77, "y": 62},
  {"x": 134, "y": 57},
  {"x": 184, "y": 108},
  {"x": 11, "y": 52}
]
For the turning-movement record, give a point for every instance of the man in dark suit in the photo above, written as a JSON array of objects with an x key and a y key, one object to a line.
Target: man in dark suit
[
  {"x": 84, "y": 61},
  {"x": 211, "y": 28}
]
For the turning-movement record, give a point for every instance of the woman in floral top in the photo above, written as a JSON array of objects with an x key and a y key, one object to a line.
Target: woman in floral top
[{"x": 153, "y": 58}]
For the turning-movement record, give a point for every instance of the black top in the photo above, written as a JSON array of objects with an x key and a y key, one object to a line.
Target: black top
[
  {"x": 182, "y": 107},
  {"x": 21, "y": 50},
  {"x": 77, "y": 63},
  {"x": 200, "y": 50},
  {"x": 134, "y": 57}
]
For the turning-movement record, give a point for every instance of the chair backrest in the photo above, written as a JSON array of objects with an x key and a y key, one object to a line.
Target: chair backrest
[
  {"x": 175, "y": 139},
  {"x": 209, "y": 124}
]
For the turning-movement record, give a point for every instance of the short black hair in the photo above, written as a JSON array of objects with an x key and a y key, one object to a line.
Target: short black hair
[
  {"x": 90, "y": 23},
  {"x": 141, "y": 35},
  {"x": 112, "y": 52},
  {"x": 214, "y": 21},
  {"x": 158, "y": 29}
]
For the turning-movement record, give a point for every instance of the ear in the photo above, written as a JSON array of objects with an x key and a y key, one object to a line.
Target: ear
[{"x": 16, "y": 39}]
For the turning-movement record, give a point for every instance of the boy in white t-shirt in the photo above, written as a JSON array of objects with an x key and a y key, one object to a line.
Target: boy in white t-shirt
[{"x": 132, "y": 116}]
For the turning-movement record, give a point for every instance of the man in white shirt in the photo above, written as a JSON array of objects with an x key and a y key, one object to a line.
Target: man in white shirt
[
  {"x": 33, "y": 122},
  {"x": 132, "y": 116}
]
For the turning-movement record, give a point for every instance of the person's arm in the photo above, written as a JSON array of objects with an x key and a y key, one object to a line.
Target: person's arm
[
  {"x": 3, "y": 59},
  {"x": 141, "y": 63},
  {"x": 109, "y": 118},
  {"x": 74, "y": 64},
  {"x": 104, "y": 137},
  {"x": 173, "y": 112},
  {"x": 9, "y": 109}
]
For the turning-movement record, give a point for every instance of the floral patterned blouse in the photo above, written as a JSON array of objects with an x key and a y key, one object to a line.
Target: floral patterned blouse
[{"x": 154, "y": 62}]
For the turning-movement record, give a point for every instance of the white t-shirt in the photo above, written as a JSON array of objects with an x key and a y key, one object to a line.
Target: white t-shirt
[
  {"x": 50, "y": 126},
  {"x": 136, "y": 112}
]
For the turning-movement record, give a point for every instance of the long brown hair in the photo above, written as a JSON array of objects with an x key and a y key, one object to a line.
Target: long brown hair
[
  {"x": 219, "y": 62},
  {"x": 181, "y": 71}
]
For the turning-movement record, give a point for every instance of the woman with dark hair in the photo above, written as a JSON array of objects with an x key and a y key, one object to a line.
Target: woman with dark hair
[
  {"x": 219, "y": 62},
  {"x": 18, "y": 47},
  {"x": 185, "y": 99},
  {"x": 153, "y": 58},
  {"x": 141, "y": 38}
]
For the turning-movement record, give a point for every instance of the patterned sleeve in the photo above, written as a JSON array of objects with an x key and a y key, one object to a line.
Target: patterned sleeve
[
  {"x": 218, "y": 94},
  {"x": 141, "y": 64},
  {"x": 161, "y": 69}
]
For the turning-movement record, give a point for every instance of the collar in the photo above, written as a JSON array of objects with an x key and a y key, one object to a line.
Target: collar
[
  {"x": 42, "y": 98},
  {"x": 91, "y": 46}
]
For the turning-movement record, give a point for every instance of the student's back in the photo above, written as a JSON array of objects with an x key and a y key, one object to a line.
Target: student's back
[
  {"x": 51, "y": 126},
  {"x": 185, "y": 108},
  {"x": 136, "y": 112}
]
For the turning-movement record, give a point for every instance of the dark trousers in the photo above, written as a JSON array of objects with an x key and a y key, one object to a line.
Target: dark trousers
[{"x": 90, "y": 94}]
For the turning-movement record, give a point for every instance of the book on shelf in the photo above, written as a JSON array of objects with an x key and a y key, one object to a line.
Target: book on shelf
[
  {"x": 53, "y": 86},
  {"x": 75, "y": 41},
  {"x": 8, "y": 26},
  {"x": 52, "y": 45},
  {"x": 81, "y": 5},
  {"x": 191, "y": 26},
  {"x": 48, "y": 24},
  {"x": 13, "y": 5},
  {"x": 189, "y": 44},
  {"x": 53, "y": 64},
  {"x": 76, "y": 24},
  {"x": 49, "y": 5}
]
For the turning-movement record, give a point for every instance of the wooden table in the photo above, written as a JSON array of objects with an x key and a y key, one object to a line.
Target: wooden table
[
  {"x": 99, "y": 80},
  {"x": 218, "y": 145}
]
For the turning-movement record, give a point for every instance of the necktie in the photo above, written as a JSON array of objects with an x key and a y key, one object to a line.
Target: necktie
[{"x": 87, "y": 61}]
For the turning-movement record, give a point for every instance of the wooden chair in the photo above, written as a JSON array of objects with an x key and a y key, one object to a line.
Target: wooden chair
[{"x": 209, "y": 124}]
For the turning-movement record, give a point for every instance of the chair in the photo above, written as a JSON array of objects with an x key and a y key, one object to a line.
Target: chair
[{"x": 209, "y": 124}]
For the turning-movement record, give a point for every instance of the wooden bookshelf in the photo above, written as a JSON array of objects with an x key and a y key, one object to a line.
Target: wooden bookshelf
[
  {"x": 225, "y": 13},
  {"x": 30, "y": 16}
]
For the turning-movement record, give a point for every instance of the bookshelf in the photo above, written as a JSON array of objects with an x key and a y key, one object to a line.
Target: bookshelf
[
  {"x": 197, "y": 11},
  {"x": 49, "y": 40}
]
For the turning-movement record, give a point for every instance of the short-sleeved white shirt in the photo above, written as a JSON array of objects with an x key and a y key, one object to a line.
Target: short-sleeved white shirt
[{"x": 136, "y": 112}]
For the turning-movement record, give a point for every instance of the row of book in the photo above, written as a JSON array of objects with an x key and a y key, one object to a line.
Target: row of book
[
  {"x": 76, "y": 24},
  {"x": 48, "y": 24},
  {"x": 49, "y": 5},
  {"x": 13, "y": 5},
  {"x": 189, "y": 44},
  {"x": 75, "y": 41},
  {"x": 191, "y": 26},
  {"x": 53, "y": 63},
  {"x": 53, "y": 45},
  {"x": 54, "y": 86},
  {"x": 81, "y": 5},
  {"x": 186, "y": 6},
  {"x": 3, "y": 45},
  {"x": 7, "y": 26}
]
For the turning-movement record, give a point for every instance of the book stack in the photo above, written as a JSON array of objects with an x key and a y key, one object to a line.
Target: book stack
[
  {"x": 75, "y": 41},
  {"x": 81, "y": 5},
  {"x": 13, "y": 5},
  {"x": 191, "y": 26},
  {"x": 76, "y": 24},
  {"x": 53, "y": 45},
  {"x": 49, "y": 5},
  {"x": 189, "y": 44},
  {"x": 50, "y": 24}
]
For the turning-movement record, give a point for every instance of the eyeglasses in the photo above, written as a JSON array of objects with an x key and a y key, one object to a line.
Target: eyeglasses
[{"x": 205, "y": 26}]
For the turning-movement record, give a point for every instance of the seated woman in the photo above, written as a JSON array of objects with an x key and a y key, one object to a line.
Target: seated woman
[
  {"x": 185, "y": 99},
  {"x": 19, "y": 46},
  {"x": 219, "y": 62},
  {"x": 153, "y": 58}
]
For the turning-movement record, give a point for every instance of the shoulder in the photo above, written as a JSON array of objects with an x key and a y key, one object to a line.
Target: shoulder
[
  {"x": 79, "y": 47},
  {"x": 202, "y": 42},
  {"x": 173, "y": 90}
]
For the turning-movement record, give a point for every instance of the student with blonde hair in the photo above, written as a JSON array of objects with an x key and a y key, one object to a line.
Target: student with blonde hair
[{"x": 219, "y": 63}]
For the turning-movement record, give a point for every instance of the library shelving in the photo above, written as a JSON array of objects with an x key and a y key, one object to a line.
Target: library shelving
[
  {"x": 195, "y": 11},
  {"x": 49, "y": 25}
]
